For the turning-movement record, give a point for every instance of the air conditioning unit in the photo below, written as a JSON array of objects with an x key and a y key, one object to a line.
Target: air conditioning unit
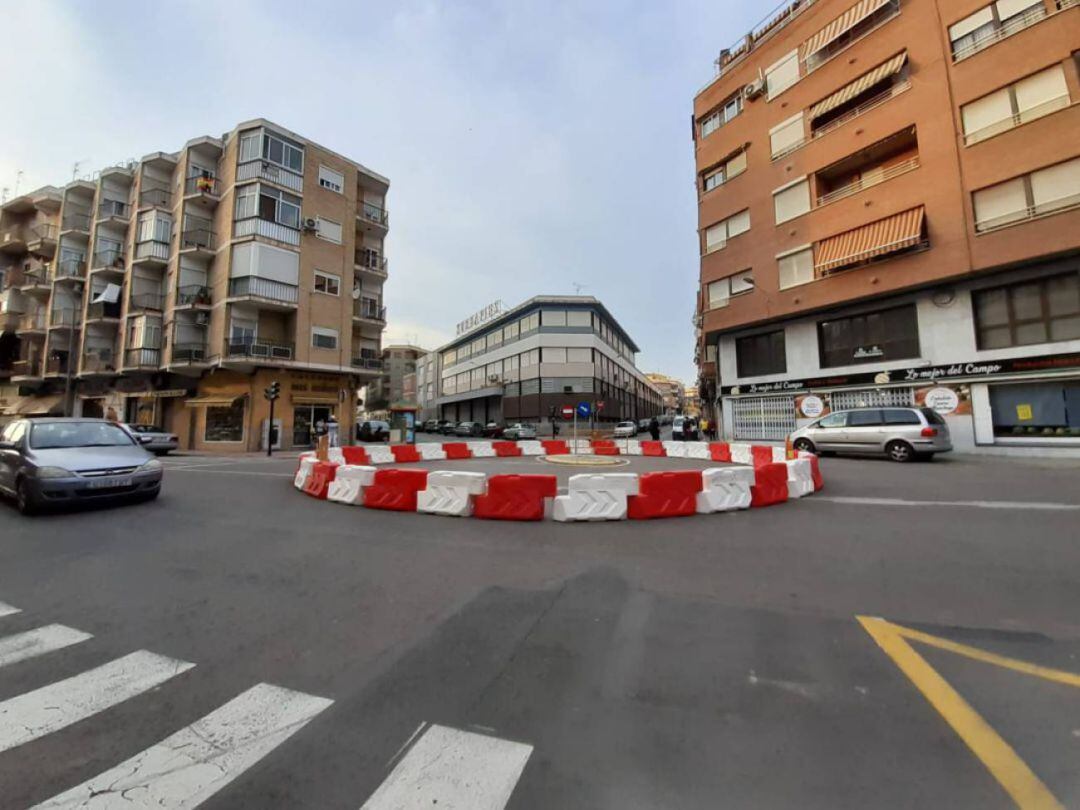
[
  {"x": 754, "y": 89},
  {"x": 311, "y": 224},
  {"x": 493, "y": 378},
  {"x": 202, "y": 318}
]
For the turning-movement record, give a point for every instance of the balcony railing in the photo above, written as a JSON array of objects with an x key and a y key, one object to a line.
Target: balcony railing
[
  {"x": 258, "y": 347},
  {"x": 57, "y": 365},
  {"x": 1012, "y": 26},
  {"x": 42, "y": 232},
  {"x": 1016, "y": 119},
  {"x": 158, "y": 251},
  {"x": 862, "y": 109},
  {"x": 71, "y": 268},
  {"x": 255, "y": 226},
  {"x": 26, "y": 368},
  {"x": 12, "y": 234},
  {"x": 264, "y": 170},
  {"x": 142, "y": 358},
  {"x": 369, "y": 310},
  {"x": 76, "y": 221},
  {"x": 32, "y": 323},
  {"x": 113, "y": 208},
  {"x": 371, "y": 260},
  {"x": 103, "y": 309},
  {"x": 371, "y": 363},
  {"x": 373, "y": 213},
  {"x": 189, "y": 352},
  {"x": 96, "y": 361},
  {"x": 210, "y": 186},
  {"x": 110, "y": 258},
  {"x": 143, "y": 302},
  {"x": 869, "y": 180},
  {"x": 155, "y": 194},
  {"x": 65, "y": 318},
  {"x": 263, "y": 288},
  {"x": 193, "y": 295},
  {"x": 197, "y": 239},
  {"x": 39, "y": 275},
  {"x": 1030, "y": 212}
]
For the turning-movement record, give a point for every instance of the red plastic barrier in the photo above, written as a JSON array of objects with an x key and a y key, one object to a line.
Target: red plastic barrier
[
  {"x": 457, "y": 450},
  {"x": 815, "y": 472},
  {"x": 651, "y": 448},
  {"x": 395, "y": 490},
  {"x": 666, "y": 494},
  {"x": 770, "y": 485},
  {"x": 515, "y": 497},
  {"x": 602, "y": 443},
  {"x": 604, "y": 450},
  {"x": 404, "y": 453},
  {"x": 761, "y": 455},
  {"x": 506, "y": 449},
  {"x": 720, "y": 451},
  {"x": 318, "y": 483},
  {"x": 355, "y": 455},
  {"x": 555, "y": 447}
]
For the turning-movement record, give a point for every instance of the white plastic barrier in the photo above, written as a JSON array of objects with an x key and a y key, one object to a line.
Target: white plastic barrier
[
  {"x": 379, "y": 454},
  {"x": 596, "y": 497},
  {"x": 582, "y": 445},
  {"x": 348, "y": 484},
  {"x": 800, "y": 478},
  {"x": 779, "y": 455},
  {"x": 431, "y": 451},
  {"x": 675, "y": 449},
  {"x": 304, "y": 470},
  {"x": 741, "y": 453},
  {"x": 335, "y": 456},
  {"x": 725, "y": 489},
  {"x": 630, "y": 447},
  {"x": 482, "y": 449},
  {"x": 451, "y": 492},
  {"x": 530, "y": 447},
  {"x": 698, "y": 450}
]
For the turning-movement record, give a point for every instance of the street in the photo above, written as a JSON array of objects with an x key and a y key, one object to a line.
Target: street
[{"x": 784, "y": 657}]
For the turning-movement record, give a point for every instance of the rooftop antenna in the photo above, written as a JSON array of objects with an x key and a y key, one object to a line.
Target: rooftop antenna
[
  {"x": 75, "y": 169},
  {"x": 578, "y": 287},
  {"x": 3, "y": 195},
  {"x": 18, "y": 181}
]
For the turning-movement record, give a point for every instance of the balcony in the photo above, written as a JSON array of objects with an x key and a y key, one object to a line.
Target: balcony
[
  {"x": 367, "y": 309},
  {"x": 32, "y": 324},
  {"x": 206, "y": 188},
  {"x": 76, "y": 221},
  {"x": 142, "y": 358},
  {"x": 36, "y": 279},
  {"x": 26, "y": 370},
  {"x": 260, "y": 348},
  {"x": 369, "y": 261},
  {"x": 146, "y": 302},
  {"x": 193, "y": 295},
  {"x": 264, "y": 291},
  {"x": 1067, "y": 202},
  {"x": 372, "y": 217},
  {"x": 99, "y": 361},
  {"x": 103, "y": 312},
  {"x": 58, "y": 367},
  {"x": 197, "y": 238},
  {"x": 151, "y": 253},
  {"x": 845, "y": 114},
  {"x": 271, "y": 172},
  {"x": 368, "y": 363},
  {"x": 189, "y": 353},
  {"x": 41, "y": 239},
  {"x": 256, "y": 226},
  {"x": 13, "y": 239},
  {"x": 70, "y": 270},
  {"x": 66, "y": 318},
  {"x": 115, "y": 211},
  {"x": 993, "y": 32},
  {"x": 154, "y": 194},
  {"x": 1016, "y": 119},
  {"x": 109, "y": 260},
  {"x": 868, "y": 180}
]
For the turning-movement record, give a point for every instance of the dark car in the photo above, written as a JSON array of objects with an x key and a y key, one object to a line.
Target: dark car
[
  {"x": 446, "y": 427},
  {"x": 64, "y": 461},
  {"x": 469, "y": 429},
  {"x": 493, "y": 430},
  {"x": 373, "y": 430},
  {"x": 430, "y": 426}
]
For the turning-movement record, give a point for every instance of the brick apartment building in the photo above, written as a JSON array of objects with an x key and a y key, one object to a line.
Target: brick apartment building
[
  {"x": 889, "y": 213},
  {"x": 173, "y": 289}
]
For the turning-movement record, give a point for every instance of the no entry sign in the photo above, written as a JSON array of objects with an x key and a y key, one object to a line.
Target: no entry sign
[{"x": 568, "y": 412}]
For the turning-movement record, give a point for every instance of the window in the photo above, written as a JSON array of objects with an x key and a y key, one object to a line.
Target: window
[
  {"x": 579, "y": 355},
  {"x": 1036, "y": 410},
  {"x": 579, "y": 318},
  {"x": 761, "y": 354},
  {"x": 857, "y": 21},
  {"x": 284, "y": 153},
  {"x": 901, "y": 416},
  {"x": 495, "y": 339},
  {"x": 268, "y": 204},
  {"x": 1026, "y": 100},
  {"x": 889, "y": 334},
  {"x": 796, "y": 268},
  {"x": 554, "y": 354},
  {"x": 787, "y": 136},
  {"x": 722, "y": 114},
  {"x": 1046, "y": 191},
  {"x": 554, "y": 317},
  {"x": 331, "y": 179},
  {"x": 720, "y": 291},
  {"x": 327, "y": 283},
  {"x": 1039, "y": 311},
  {"x": 225, "y": 423},
  {"x": 724, "y": 171},
  {"x": 530, "y": 323},
  {"x": 834, "y": 420},
  {"x": 781, "y": 75},
  {"x": 866, "y": 418},
  {"x": 328, "y": 230},
  {"x": 991, "y": 24},
  {"x": 793, "y": 200},
  {"x": 322, "y": 338},
  {"x": 716, "y": 236}
]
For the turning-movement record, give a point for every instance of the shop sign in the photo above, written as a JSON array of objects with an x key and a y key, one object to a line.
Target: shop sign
[
  {"x": 490, "y": 312},
  {"x": 864, "y": 352},
  {"x": 942, "y": 400},
  {"x": 1024, "y": 413},
  {"x": 812, "y": 406}
]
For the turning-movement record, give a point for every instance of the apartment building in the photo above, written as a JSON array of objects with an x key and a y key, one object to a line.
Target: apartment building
[
  {"x": 526, "y": 363},
  {"x": 173, "y": 289},
  {"x": 672, "y": 393},
  {"x": 427, "y": 386},
  {"x": 391, "y": 387},
  {"x": 889, "y": 213}
]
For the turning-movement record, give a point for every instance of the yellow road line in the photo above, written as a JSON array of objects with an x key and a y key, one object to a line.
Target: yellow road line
[{"x": 1011, "y": 772}]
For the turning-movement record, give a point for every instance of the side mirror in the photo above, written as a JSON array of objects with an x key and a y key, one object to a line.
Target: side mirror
[{"x": 7, "y": 445}]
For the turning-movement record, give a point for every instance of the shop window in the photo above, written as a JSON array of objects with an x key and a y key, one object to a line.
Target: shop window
[
  {"x": 761, "y": 354},
  {"x": 890, "y": 334},
  {"x": 225, "y": 424},
  {"x": 1040, "y": 311},
  {"x": 1037, "y": 410}
]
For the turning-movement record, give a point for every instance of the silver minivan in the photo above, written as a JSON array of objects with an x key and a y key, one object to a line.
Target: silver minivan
[{"x": 902, "y": 434}]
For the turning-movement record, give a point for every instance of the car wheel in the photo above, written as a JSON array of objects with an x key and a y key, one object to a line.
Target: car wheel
[
  {"x": 900, "y": 451},
  {"x": 25, "y": 501},
  {"x": 804, "y": 445}
]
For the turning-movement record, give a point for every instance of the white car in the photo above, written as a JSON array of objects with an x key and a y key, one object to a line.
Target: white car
[
  {"x": 625, "y": 430},
  {"x": 519, "y": 431}
]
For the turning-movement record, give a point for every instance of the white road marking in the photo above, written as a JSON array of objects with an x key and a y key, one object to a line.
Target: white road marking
[
  {"x": 453, "y": 770},
  {"x": 8, "y": 610},
  {"x": 190, "y": 766},
  {"x": 1037, "y": 505},
  {"x": 58, "y": 705},
  {"x": 33, "y": 643},
  {"x": 229, "y": 472}
]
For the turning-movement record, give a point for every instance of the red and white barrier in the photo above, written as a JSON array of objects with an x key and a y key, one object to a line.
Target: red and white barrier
[
  {"x": 779, "y": 454},
  {"x": 632, "y": 447},
  {"x": 303, "y": 470},
  {"x": 800, "y": 478},
  {"x": 741, "y": 453},
  {"x": 348, "y": 485},
  {"x": 335, "y": 455},
  {"x": 698, "y": 450},
  {"x": 725, "y": 489},
  {"x": 451, "y": 492},
  {"x": 380, "y": 454},
  {"x": 531, "y": 447},
  {"x": 596, "y": 497},
  {"x": 482, "y": 450},
  {"x": 673, "y": 449},
  {"x": 429, "y": 451}
]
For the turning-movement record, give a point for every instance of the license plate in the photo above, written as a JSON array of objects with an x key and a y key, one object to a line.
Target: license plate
[{"x": 109, "y": 483}]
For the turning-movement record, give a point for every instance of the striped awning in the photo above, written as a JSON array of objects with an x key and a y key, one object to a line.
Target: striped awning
[
  {"x": 845, "y": 22},
  {"x": 213, "y": 401},
  {"x": 887, "y": 235},
  {"x": 860, "y": 85},
  {"x": 314, "y": 399},
  {"x": 34, "y": 405}
]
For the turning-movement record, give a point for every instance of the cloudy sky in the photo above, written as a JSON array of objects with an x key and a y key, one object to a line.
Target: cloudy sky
[{"x": 531, "y": 146}]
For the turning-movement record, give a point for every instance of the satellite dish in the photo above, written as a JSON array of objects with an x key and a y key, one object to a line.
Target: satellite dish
[{"x": 356, "y": 294}]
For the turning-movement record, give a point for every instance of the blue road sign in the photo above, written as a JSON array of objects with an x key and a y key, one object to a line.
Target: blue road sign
[{"x": 583, "y": 410}]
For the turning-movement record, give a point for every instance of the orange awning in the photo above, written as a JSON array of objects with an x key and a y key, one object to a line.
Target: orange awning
[
  {"x": 887, "y": 235},
  {"x": 213, "y": 401},
  {"x": 845, "y": 22},
  {"x": 860, "y": 85}
]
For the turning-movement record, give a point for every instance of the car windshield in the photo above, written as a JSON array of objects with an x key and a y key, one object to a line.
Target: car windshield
[
  {"x": 626, "y": 424},
  {"x": 52, "y": 435}
]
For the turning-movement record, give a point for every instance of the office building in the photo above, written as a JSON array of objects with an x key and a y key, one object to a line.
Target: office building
[
  {"x": 889, "y": 214},
  {"x": 173, "y": 289}
]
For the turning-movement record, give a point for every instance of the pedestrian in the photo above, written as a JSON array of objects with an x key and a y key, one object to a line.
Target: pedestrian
[
  {"x": 332, "y": 430},
  {"x": 654, "y": 429},
  {"x": 554, "y": 428}
]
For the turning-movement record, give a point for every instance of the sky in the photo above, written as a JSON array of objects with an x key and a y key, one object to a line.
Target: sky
[{"x": 530, "y": 146}]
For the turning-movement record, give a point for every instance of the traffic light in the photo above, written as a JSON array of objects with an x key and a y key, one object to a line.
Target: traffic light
[{"x": 273, "y": 391}]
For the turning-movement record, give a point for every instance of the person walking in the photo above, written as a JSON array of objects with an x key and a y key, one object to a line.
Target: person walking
[
  {"x": 654, "y": 429},
  {"x": 332, "y": 430}
]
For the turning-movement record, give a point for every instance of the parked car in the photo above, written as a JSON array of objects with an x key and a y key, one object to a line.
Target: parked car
[
  {"x": 373, "y": 430},
  {"x": 469, "y": 429},
  {"x": 63, "y": 461},
  {"x": 493, "y": 430},
  {"x": 430, "y": 426},
  {"x": 520, "y": 430},
  {"x": 625, "y": 430},
  {"x": 154, "y": 439},
  {"x": 902, "y": 434},
  {"x": 684, "y": 428},
  {"x": 643, "y": 425},
  {"x": 446, "y": 427}
]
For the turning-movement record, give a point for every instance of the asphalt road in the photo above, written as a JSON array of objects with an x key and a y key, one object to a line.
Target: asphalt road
[{"x": 705, "y": 662}]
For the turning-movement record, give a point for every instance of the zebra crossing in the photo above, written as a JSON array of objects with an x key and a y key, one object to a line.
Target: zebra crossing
[{"x": 436, "y": 766}]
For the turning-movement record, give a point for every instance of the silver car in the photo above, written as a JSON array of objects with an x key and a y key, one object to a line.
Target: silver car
[
  {"x": 65, "y": 461},
  {"x": 902, "y": 434},
  {"x": 519, "y": 431},
  {"x": 154, "y": 439}
]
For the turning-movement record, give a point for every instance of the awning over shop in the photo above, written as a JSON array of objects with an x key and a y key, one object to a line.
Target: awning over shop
[
  {"x": 109, "y": 295},
  {"x": 845, "y": 22},
  {"x": 887, "y": 235},
  {"x": 214, "y": 401},
  {"x": 35, "y": 406},
  {"x": 860, "y": 85},
  {"x": 314, "y": 399},
  {"x": 162, "y": 394}
]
